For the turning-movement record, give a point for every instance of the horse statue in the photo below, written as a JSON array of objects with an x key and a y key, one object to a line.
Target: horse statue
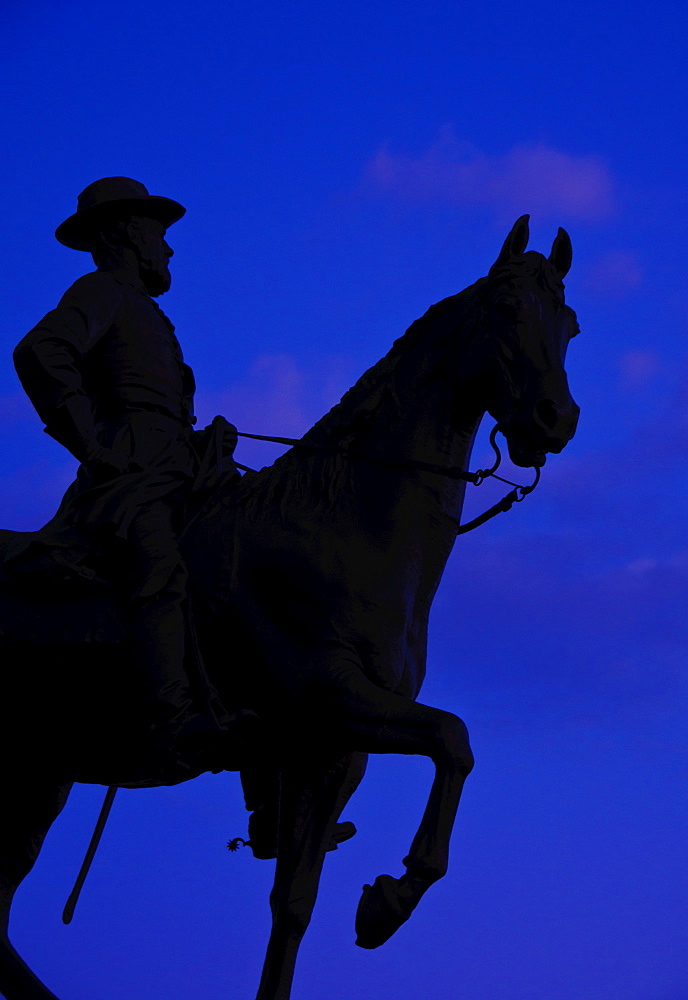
[{"x": 322, "y": 569}]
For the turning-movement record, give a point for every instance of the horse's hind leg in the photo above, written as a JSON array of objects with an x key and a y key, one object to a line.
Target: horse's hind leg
[
  {"x": 310, "y": 804},
  {"x": 30, "y": 804}
]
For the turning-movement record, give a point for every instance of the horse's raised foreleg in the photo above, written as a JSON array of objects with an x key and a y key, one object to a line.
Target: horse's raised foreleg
[
  {"x": 30, "y": 804},
  {"x": 378, "y": 721},
  {"x": 389, "y": 902},
  {"x": 310, "y": 805}
]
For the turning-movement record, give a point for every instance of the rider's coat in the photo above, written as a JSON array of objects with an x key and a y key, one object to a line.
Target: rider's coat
[{"x": 109, "y": 353}]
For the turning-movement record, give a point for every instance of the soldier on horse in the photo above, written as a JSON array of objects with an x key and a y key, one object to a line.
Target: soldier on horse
[{"x": 322, "y": 568}]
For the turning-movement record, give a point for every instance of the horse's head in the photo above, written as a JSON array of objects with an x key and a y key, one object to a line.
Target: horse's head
[{"x": 528, "y": 329}]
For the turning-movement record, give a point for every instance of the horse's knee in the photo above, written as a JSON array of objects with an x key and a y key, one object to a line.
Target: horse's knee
[{"x": 454, "y": 744}]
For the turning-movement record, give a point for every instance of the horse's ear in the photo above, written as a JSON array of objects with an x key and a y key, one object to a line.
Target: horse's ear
[
  {"x": 517, "y": 240},
  {"x": 562, "y": 253}
]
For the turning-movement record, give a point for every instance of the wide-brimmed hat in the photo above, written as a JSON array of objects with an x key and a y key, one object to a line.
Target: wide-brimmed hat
[{"x": 106, "y": 198}]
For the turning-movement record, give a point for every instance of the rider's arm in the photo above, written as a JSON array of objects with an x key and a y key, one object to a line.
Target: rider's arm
[{"x": 50, "y": 358}]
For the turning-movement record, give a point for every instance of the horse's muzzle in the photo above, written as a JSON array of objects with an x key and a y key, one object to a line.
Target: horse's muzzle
[
  {"x": 550, "y": 428},
  {"x": 557, "y": 423},
  {"x": 554, "y": 424}
]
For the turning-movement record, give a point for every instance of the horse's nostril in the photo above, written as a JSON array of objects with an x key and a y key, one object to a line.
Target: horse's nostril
[{"x": 547, "y": 414}]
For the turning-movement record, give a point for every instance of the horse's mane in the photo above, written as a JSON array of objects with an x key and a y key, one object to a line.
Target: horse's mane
[{"x": 346, "y": 420}]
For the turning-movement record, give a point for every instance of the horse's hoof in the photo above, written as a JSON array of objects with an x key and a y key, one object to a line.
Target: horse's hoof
[{"x": 383, "y": 908}]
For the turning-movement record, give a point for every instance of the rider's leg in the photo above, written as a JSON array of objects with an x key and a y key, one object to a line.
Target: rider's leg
[
  {"x": 158, "y": 623},
  {"x": 160, "y": 637}
]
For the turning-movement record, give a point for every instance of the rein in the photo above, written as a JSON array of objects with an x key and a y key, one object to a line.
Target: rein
[{"x": 516, "y": 495}]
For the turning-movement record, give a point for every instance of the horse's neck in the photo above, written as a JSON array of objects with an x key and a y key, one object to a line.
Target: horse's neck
[
  {"x": 441, "y": 434},
  {"x": 413, "y": 494},
  {"x": 430, "y": 416}
]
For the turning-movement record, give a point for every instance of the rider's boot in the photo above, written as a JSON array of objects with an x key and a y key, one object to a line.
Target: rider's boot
[
  {"x": 260, "y": 782},
  {"x": 186, "y": 737}
]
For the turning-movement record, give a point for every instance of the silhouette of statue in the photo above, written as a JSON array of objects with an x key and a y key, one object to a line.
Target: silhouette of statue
[{"x": 311, "y": 581}]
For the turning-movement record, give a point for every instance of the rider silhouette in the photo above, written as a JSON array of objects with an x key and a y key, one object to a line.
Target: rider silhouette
[{"x": 106, "y": 374}]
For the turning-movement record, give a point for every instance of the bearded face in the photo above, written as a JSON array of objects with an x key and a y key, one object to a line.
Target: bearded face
[
  {"x": 136, "y": 244},
  {"x": 153, "y": 253}
]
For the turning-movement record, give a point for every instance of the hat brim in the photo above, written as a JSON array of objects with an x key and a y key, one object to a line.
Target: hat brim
[{"x": 80, "y": 231}]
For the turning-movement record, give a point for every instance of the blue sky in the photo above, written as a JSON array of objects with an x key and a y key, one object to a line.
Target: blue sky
[{"x": 343, "y": 167}]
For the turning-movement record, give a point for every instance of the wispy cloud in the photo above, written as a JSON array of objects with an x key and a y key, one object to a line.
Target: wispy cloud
[
  {"x": 527, "y": 178},
  {"x": 552, "y": 642},
  {"x": 638, "y": 369}
]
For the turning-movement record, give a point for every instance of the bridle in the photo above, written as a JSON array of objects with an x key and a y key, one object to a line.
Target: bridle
[{"x": 516, "y": 495}]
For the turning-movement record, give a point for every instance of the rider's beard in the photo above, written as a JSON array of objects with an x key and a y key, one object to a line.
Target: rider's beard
[{"x": 155, "y": 274}]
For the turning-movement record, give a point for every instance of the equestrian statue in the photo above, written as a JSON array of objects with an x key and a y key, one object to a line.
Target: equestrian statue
[{"x": 176, "y": 616}]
